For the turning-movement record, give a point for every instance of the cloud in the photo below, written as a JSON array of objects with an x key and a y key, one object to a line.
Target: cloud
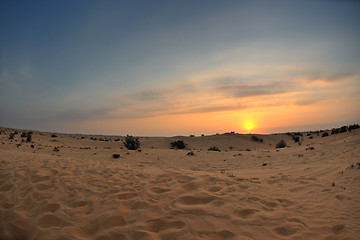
[
  {"x": 79, "y": 114},
  {"x": 247, "y": 90},
  {"x": 212, "y": 95},
  {"x": 307, "y": 102}
]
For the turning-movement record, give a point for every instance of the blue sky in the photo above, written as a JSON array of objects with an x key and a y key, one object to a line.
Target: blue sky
[{"x": 118, "y": 67}]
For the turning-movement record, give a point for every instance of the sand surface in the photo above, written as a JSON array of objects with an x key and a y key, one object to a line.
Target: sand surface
[{"x": 82, "y": 192}]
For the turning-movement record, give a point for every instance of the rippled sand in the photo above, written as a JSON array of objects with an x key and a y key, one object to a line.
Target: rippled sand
[{"x": 82, "y": 192}]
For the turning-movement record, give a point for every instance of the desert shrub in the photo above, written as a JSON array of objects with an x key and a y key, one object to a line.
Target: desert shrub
[
  {"x": 11, "y": 136},
  {"x": 190, "y": 153},
  {"x": 23, "y": 134},
  {"x": 335, "y": 131},
  {"x": 192, "y": 135},
  {"x": 116, "y": 155},
  {"x": 28, "y": 137},
  {"x": 254, "y": 138},
  {"x": 311, "y": 137},
  {"x": 325, "y": 134},
  {"x": 296, "y": 138},
  {"x": 53, "y": 135},
  {"x": 257, "y": 139},
  {"x": 131, "y": 143},
  {"x": 354, "y": 126},
  {"x": 179, "y": 144},
  {"x": 281, "y": 144},
  {"x": 214, "y": 148},
  {"x": 343, "y": 129}
]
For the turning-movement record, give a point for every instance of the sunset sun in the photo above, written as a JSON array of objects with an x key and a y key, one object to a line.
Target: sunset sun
[{"x": 248, "y": 125}]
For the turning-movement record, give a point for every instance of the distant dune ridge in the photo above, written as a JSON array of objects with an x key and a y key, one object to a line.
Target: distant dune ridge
[{"x": 71, "y": 186}]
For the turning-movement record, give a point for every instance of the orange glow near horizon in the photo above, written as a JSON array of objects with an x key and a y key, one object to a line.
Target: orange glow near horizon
[{"x": 259, "y": 120}]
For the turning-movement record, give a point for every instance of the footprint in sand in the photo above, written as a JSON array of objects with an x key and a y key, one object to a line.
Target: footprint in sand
[
  {"x": 139, "y": 205},
  {"x": 6, "y": 205},
  {"x": 190, "y": 186},
  {"x": 112, "y": 235},
  {"x": 342, "y": 197},
  {"x": 112, "y": 221},
  {"x": 156, "y": 225},
  {"x": 51, "y": 207},
  {"x": 6, "y": 187},
  {"x": 77, "y": 204},
  {"x": 183, "y": 179},
  {"x": 51, "y": 220},
  {"x": 338, "y": 228},
  {"x": 214, "y": 188},
  {"x": 159, "y": 190},
  {"x": 285, "y": 202},
  {"x": 225, "y": 234},
  {"x": 193, "y": 200},
  {"x": 285, "y": 231},
  {"x": 43, "y": 187},
  {"x": 37, "y": 178},
  {"x": 246, "y": 213},
  {"x": 128, "y": 195}
]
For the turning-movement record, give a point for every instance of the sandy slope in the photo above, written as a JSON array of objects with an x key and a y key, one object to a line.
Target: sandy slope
[{"x": 81, "y": 192}]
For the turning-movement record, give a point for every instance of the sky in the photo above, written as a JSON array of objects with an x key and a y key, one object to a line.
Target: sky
[{"x": 165, "y": 68}]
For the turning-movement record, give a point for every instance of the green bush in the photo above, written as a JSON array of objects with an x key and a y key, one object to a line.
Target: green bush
[
  {"x": 131, "y": 143},
  {"x": 281, "y": 144},
  {"x": 214, "y": 148},
  {"x": 179, "y": 144},
  {"x": 354, "y": 126},
  {"x": 23, "y": 134},
  {"x": 28, "y": 137},
  {"x": 11, "y": 136},
  {"x": 343, "y": 129},
  {"x": 325, "y": 134}
]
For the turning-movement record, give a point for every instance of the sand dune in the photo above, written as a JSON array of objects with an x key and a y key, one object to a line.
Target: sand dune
[{"x": 248, "y": 190}]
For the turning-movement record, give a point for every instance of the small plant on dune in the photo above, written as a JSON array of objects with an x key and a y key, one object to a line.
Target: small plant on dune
[
  {"x": 214, "y": 148},
  {"x": 11, "y": 136},
  {"x": 343, "y": 129},
  {"x": 23, "y": 134},
  {"x": 53, "y": 135},
  {"x": 28, "y": 137},
  {"x": 179, "y": 144},
  {"x": 296, "y": 138},
  {"x": 254, "y": 138},
  {"x": 191, "y": 153},
  {"x": 354, "y": 126},
  {"x": 281, "y": 144},
  {"x": 335, "y": 131},
  {"x": 325, "y": 134},
  {"x": 131, "y": 143}
]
